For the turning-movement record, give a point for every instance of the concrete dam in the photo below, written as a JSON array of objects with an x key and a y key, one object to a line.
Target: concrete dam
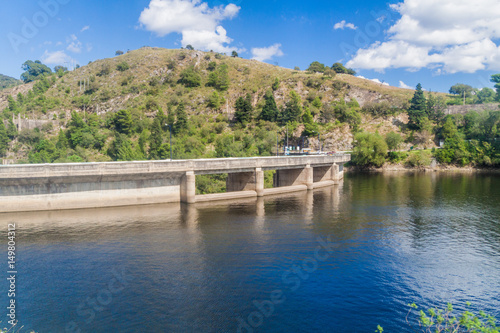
[{"x": 38, "y": 187}]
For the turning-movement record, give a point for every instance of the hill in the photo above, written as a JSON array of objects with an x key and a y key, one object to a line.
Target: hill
[
  {"x": 106, "y": 110},
  {"x": 7, "y": 82}
]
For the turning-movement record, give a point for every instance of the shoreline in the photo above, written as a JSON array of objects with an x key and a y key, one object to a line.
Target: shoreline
[{"x": 401, "y": 168}]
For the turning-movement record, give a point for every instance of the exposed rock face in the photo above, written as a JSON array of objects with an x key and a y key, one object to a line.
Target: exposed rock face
[{"x": 463, "y": 109}]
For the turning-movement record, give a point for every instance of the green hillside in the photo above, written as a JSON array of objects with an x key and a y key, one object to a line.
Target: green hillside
[
  {"x": 123, "y": 108},
  {"x": 7, "y": 82}
]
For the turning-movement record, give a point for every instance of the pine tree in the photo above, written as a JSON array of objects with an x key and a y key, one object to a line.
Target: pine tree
[
  {"x": 244, "y": 109},
  {"x": 292, "y": 110},
  {"x": 62, "y": 140},
  {"x": 155, "y": 139},
  {"x": 270, "y": 110},
  {"x": 4, "y": 139},
  {"x": 418, "y": 108},
  {"x": 123, "y": 122},
  {"x": 310, "y": 127},
  {"x": 182, "y": 119},
  {"x": 11, "y": 130}
]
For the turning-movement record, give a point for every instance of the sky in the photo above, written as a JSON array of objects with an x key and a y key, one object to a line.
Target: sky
[{"x": 399, "y": 43}]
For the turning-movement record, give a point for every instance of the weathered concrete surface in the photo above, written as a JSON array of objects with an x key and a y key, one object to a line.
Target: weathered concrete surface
[{"x": 94, "y": 185}]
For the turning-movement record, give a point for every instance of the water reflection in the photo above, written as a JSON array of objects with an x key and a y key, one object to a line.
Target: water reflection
[{"x": 398, "y": 238}]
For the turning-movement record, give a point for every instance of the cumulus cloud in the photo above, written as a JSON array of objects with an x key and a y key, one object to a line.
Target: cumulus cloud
[
  {"x": 196, "y": 21},
  {"x": 404, "y": 85},
  {"x": 343, "y": 25},
  {"x": 449, "y": 36},
  {"x": 266, "y": 53},
  {"x": 56, "y": 58},
  {"x": 85, "y": 28}
]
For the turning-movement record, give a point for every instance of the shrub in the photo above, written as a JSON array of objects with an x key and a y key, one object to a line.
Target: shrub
[
  {"x": 420, "y": 159},
  {"x": 369, "y": 150},
  {"x": 122, "y": 66}
]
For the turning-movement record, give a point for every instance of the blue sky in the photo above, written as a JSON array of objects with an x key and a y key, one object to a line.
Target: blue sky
[{"x": 401, "y": 43}]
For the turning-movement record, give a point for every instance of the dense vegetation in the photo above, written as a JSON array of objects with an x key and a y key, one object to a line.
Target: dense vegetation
[{"x": 470, "y": 139}]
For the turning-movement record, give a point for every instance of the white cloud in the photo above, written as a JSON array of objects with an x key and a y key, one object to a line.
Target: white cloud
[
  {"x": 75, "y": 45},
  {"x": 342, "y": 25},
  {"x": 56, "y": 58},
  {"x": 448, "y": 35},
  {"x": 374, "y": 80},
  {"x": 85, "y": 28},
  {"x": 404, "y": 85},
  {"x": 196, "y": 21},
  {"x": 266, "y": 53}
]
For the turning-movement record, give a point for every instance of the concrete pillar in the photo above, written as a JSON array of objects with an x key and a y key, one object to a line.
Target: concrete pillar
[
  {"x": 188, "y": 187},
  {"x": 336, "y": 174},
  {"x": 241, "y": 181},
  {"x": 309, "y": 177},
  {"x": 259, "y": 182},
  {"x": 246, "y": 181}
]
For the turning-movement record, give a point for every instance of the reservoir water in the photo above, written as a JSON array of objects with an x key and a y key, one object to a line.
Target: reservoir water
[{"x": 340, "y": 259}]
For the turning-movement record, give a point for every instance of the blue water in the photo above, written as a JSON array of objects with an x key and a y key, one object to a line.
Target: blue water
[{"x": 340, "y": 259}]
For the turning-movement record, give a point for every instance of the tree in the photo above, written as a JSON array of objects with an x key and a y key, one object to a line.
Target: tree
[
  {"x": 212, "y": 65},
  {"x": 485, "y": 95},
  {"x": 214, "y": 100},
  {"x": 316, "y": 67},
  {"x": 156, "y": 139},
  {"x": 182, "y": 119},
  {"x": 34, "y": 70},
  {"x": 234, "y": 54},
  {"x": 190, "y": 78},
  {"x": 270, "y": 110},
  {"x": 219, "y": 78},
  {"x": 4, "y": 139},
  {"x": 123, "y": 122},
  {"x": 292, "y": 110},
  {"x": 244, "y": 109},
  {"x": 62, "y": 141},
  {"x": 60, "y": 68},
  {"x": 118, "y": 53},
  {"x": 393, "y": 140},
  {"x": 122, "y": 66},
  {"x": 369, "y": 149},
  {"x": 449, "y": 129},
  {"x": 189, "y": 47},
  {"x": 461, "y": 89},
  {"x": 310, "y": 127},
  {"x": 418, "y": 107},
  {"x": 496, "y": 79},
  {"x": 340, "y": 69},
  {"x": 276, "y": 84}
]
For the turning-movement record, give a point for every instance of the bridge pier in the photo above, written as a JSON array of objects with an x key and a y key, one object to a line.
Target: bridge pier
[
  {"x": 188, "y": 187},
  {"x": 292, "y": 177},
  {"x": 246, "y": 181}
]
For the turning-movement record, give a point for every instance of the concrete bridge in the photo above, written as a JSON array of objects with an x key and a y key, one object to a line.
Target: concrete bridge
[{"x": 36, "y": 187}]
